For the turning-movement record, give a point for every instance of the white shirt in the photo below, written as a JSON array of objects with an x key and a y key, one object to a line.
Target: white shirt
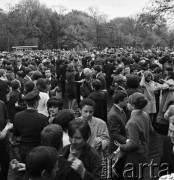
[
  {"x": 29, "y": 77},
  {"x": 42, "y": 106},
  {"x": 65, "y": 139}
]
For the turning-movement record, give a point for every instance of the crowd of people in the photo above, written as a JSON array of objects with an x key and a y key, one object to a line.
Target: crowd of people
[{"x": 65, "y": 111}]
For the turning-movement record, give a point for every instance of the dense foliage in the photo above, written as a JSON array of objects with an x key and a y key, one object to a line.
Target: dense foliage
[{"x": 32, "y": 23}]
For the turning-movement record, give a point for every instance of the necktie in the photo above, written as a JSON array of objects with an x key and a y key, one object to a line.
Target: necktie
[{"x": 124, "y": 115}]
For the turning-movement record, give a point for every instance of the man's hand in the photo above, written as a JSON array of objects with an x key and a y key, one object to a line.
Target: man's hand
[
  {"x": 117, "y": 143},
  {"x": 97, "y": 143},
  {"x": 21, "y": 167},
  {"x": 8, "y": 126},
  {"x": 78, "y": 166}
]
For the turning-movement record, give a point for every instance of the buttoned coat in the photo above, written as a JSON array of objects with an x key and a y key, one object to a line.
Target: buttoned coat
[{"x": 116, "y": 125}]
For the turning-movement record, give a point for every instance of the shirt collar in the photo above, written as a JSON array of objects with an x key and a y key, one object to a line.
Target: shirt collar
[
  {"x": 28, "y": 77},
  {"x": 19, "y": 66},
  {"x": 98, "y": 74},
  {"x": 89, "y": 121},
  {"x": 122, "y": 87},
  {"x": 121, "y": 109}
]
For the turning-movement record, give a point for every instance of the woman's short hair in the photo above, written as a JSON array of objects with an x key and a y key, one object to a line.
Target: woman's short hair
[
  {"x": 82, "y": 126},
  {"x": 64, "y": 118},
  {"x": 52, "y": 136},
  {"x": 171, "y": 74},
  {"x": 97, "y": 68},
  {"x": 41, "y": 84},
  {"x": 29, "y": 86},
  {"x": 138, "y": 100},
  {"x": 70, "y": 67},
  {"x": 36, "y": 75},
  {"x": 87, "y": 72},
  {"x": 88, "y": 102},
  {"x": 119, "y": 70},
  {"x": 141, "y": 103},
  {"x": 28, "y": 70},
  {"x": 158, "y": 70},
  {"x": 133, "y": 81},
  {"x": 2, "y": 71},
  {"x": 39, "y": 159},
  {"x": 15, "y": 84},
  {"x": 55, "y": 101},
  {"x": 96, "y": 84}
]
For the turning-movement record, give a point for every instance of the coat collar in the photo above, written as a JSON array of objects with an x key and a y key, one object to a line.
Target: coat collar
[
  {"x": 136, "y": 112},
  {"x": 85, "y": 151}
]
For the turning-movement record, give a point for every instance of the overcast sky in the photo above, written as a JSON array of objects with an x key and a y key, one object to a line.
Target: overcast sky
[{"x": 113, "y": 8}]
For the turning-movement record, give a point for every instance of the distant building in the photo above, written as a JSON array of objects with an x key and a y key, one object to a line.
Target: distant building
[{"x": 24, "y": 48}]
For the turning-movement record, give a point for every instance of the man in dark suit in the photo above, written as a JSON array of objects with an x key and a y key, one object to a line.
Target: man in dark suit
[
  {"x": 54, "y": 81},
  {"x": 19, "y": 67},
  {"x": 117, "y": 119},
  {"x": 100, "y": 76},
  {"x": 62, "y": 76},
  {"x": 78, "y": 77},
  {"x": 116, "y": 125},
  {"x": 27, "y": 76},
  {"x": 108, "y": 70}
]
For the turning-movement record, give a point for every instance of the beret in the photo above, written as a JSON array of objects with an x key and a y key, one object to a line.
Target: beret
[{"x": 32, "y": 95}]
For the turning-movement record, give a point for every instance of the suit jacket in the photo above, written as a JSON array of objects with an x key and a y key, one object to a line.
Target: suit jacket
[
  {"x": 116, "y": 125},
  {"x": 22, "y": 68},
  {"x": 103, "y": 81},
  {"x": 79, "y": 77}
]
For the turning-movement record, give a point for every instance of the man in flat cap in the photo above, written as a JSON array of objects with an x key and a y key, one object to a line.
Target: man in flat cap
[{"x": 28, "y": 124}]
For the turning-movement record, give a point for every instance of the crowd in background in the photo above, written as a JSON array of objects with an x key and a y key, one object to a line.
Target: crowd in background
[{"x": 61, "y": 99}]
